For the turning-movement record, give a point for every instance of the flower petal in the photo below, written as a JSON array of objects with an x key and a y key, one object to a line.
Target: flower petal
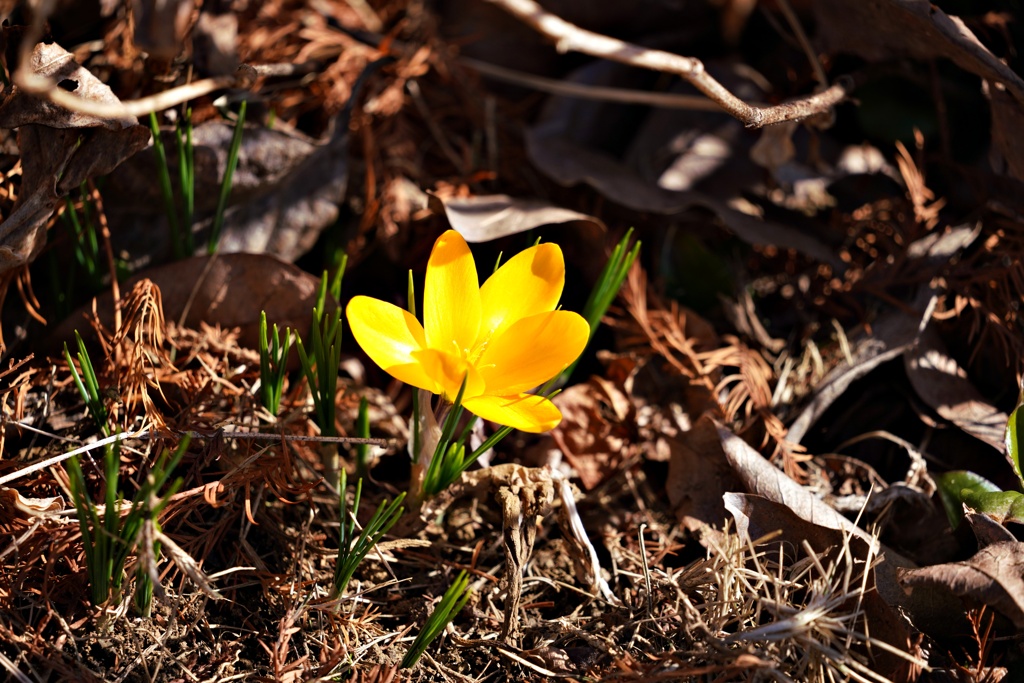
[
  {"x": 448, "y": 372},
  {"x": 532, "y": 351},
  {"x": 390, "y": 335},
  {"x": 525, "y": 412},
  {"x": 530, "y": 282},
  {"x": 451, "y": 296}
]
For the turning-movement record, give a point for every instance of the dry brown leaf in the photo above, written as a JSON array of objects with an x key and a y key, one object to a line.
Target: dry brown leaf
[
  {"x": 11, "y": 499},
  {"x": 1007, "y": 120},
  {"x": 993, "y": 577},
  {"x": 761, "y": 477},
  {"x": 594, "y": 434},
  {"x": 60, "y": 149},
  {"x": 490, "y": 217},
  {"x": 698, "y": 475},
  {"x": 940, "y": 381},
  {"x": 987, "y": 530},
  {"x": 570, "y": 164},
  {"x": 160, "y": 26},
  {"x": 880, "y": 31},
  {"x": 893, "y": 335},
  {"x": 805, "y": 516},
  {"x": 677, "y": 160},
  {"x": 229, "y": 290}
]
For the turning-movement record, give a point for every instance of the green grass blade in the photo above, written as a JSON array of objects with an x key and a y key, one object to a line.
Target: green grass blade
[
  {"x": 178, "y": 242},
  {"x": 225, "y": 186},
  {"x": 454, "y": 599}
]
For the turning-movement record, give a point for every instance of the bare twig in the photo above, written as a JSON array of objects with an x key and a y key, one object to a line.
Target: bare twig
[
  {"x": 585, "y": 91},
  {"x": 569, "y": 37}
]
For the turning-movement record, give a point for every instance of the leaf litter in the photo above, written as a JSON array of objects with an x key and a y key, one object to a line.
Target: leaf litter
[{"x": 743, "y": 486}]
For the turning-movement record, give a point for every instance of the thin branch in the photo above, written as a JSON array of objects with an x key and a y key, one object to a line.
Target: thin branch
[
  {"x": 590, "y": 92},
  {"x": 568, "y": 37}
]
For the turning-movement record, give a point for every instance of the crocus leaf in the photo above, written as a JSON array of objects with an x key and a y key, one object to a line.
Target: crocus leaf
[{"x": 955, "y": 486}]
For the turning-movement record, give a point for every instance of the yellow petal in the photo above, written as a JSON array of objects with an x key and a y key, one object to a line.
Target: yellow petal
[
  {"x": 525, "y": 412},
  {"x": 389, "y": 335},
  {"x": 532, "y": 351},
  {"x": 451, "y": 296},
  {"x": 529, "y": 283},
  {"x": 448, "y": 372}
]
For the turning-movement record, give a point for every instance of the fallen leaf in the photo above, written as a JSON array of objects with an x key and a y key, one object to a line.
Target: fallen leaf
[
  {"x": 594, "y": 434},
  {"x": 761, "y": 477},
  {"x": 229, "y": 290},
  {"x": 893, "y": 335},
  {"x": 161, "y": 26},
  {"x": 993, "y": 577},
  {"x": 1007, "y": 118},
  {"x": 699, "y": 475},
  {"x": 11, "y": 499},
  {"x": 987, "y": 530},
  {"x": 878, "y": 31},
  {"x": 940, "y": 381},
  {"x": 60, "y": 149},
  {"x": 490, "y": 217}
]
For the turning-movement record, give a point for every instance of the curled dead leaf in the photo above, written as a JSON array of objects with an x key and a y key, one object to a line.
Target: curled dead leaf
[
  {"x": 489, "y": 217},
  {"x": 11, "y": 500},
  {"x": 60, "y": 149}
]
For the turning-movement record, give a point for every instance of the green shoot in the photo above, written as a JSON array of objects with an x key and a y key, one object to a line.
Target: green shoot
[
  {"x": 186, "y": 173},
  {"x": 273, "y": 364},
  {"x": 605, "y": 290},
  {"x": 181, "y": 243},
  {"x": 109, "y": 541},
  {"x": 352, "y": 549},
  {"x": 455, "y": 598},
  {"x": 321, "y": 370},
  {"x": 88, "y": 385},
  {"x": 225, "y": 186},
  {"x": 87, "y": 244},
  {"x": 449, "y": 460},
  {"x": 610, "y": 281},
  {"x": 363, "y": 432}
]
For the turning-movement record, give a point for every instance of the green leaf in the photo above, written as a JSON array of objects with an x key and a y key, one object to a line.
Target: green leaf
[
  {"x": 1013, "y": 430},
  {"x": 956, "y": 486},
  {"x": 1002, "y": 506}
]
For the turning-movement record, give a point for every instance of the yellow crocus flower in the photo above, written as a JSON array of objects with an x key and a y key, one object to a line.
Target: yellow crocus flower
[{"x": 504, "y": 338}]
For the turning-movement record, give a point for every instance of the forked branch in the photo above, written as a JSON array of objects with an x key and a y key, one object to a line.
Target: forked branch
[{"x": 569, "y": 37}]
